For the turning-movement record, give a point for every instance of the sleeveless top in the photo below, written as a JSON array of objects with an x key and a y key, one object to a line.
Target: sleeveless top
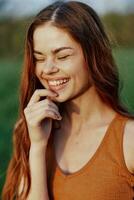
[{"x": 104, "y": 177}]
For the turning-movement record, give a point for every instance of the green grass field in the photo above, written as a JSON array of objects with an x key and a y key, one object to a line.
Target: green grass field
[{"x": 10, "y": 70}]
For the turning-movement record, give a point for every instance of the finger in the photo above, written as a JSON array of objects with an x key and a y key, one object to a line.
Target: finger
[
  {"x": 34, "y": 113},
  {"x": 44, "y": 103},
  {"x": 49, "y": 114},
  {"x": 41, "y": 93},
  {"x": 36, "y": 119}
]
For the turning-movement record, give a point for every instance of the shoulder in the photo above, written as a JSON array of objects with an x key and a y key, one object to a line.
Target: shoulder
[
  {"x": 128, "y": 144},
  {"x": 129, "y": 132}
]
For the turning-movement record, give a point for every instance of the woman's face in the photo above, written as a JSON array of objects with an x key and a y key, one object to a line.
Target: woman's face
[{"x": 60, "y": 64}]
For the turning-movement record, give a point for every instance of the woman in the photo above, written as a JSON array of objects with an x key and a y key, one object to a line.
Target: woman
[{"x": 73, "y": 139}]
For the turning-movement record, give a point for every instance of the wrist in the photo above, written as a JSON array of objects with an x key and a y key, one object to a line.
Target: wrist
[{"x": 39, "y": 146}]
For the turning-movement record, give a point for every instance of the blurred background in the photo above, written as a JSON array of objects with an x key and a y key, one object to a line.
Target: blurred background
[{"x": 15, "y": 17}]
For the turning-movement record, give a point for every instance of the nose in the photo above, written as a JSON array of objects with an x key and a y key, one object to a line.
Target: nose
[{"x": 50, "y": 67}]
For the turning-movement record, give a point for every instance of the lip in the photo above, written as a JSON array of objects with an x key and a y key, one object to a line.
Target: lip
[
  {"x": 56, "y": 78},
  {"x": 58, "y": 87}
]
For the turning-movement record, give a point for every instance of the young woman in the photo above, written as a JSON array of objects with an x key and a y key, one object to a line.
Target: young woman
[{"x": 73, "y": 139}]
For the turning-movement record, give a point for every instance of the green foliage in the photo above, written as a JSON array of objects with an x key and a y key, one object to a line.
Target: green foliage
[
  {"x": 12, "y": 34},
  {"x": 10, "y": 75},
  {"x": 120, "y": 28},
  {"x": 125, "y": 61}
]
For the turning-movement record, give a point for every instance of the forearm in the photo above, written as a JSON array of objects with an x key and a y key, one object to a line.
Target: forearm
[{"x": 37, "y": 163}]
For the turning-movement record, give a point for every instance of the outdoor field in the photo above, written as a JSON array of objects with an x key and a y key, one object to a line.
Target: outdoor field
[{"x": 10, "y": 71}]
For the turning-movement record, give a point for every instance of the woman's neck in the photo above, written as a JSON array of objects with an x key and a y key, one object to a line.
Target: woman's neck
[{"x": 87, "y": 108}]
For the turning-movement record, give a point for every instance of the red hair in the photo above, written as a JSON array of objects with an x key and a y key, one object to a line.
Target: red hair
[{"x": 84, "y": 25}]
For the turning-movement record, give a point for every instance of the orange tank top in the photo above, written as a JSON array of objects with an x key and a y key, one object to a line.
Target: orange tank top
[{"x": 104, "y": 177}]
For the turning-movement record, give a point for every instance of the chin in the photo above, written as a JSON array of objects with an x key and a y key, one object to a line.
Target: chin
[
  {"x": 61, "y": 99},
  {"x": 63, "y": 96}
]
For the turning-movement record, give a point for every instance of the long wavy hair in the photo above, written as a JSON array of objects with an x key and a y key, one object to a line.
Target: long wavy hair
[{"x": 84, "y": 25}]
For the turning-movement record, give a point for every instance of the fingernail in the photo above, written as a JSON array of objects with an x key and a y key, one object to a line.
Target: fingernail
[{"x": 59, "y": 117}]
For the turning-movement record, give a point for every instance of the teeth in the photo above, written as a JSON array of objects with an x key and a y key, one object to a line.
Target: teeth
[{"x": 57, "y": 82}]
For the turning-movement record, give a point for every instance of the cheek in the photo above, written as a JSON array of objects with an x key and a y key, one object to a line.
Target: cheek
[
  {"x": 81, "y": 63},
  {"x": 80, "y": 67},
  {"x": 82, "y": 75},
  {"x": 38, "y": 71},
  {"x": 85, "y": 65}
]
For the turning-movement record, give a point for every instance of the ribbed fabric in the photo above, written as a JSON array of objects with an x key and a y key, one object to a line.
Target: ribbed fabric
[{"x": 104, "y": 177}]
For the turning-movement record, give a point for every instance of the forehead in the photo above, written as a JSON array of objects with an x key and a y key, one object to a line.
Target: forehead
[{"x": 48, "y": 36}]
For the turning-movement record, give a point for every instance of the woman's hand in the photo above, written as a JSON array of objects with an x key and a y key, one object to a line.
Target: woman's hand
[{"x": 39, "y": 115}]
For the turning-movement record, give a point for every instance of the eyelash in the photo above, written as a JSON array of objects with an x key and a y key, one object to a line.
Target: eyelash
[
  {"x": 38, "y": 60},
  {"x": 63, "y": 57},
  {"x": 60, "y": 58}
]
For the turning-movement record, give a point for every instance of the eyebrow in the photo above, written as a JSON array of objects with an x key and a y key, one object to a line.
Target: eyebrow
[{"x": 55, "y": 50}]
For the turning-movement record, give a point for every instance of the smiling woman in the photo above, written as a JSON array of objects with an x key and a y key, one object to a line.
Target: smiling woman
[
  {"x": 72, "y": 131},
  {"x": 60, "y": 65}
]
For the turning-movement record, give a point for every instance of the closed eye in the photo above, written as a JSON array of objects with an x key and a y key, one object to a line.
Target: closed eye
[
  {"x": 63, "y": 57},
  {"x": 39, "y": 59}
]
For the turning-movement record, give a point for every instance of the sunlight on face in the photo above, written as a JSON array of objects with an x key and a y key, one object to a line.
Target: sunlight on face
[{"x": 60, "y": 64}]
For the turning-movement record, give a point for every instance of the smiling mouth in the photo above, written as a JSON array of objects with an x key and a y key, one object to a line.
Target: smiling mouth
[{"x": 57, "y": 85}]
